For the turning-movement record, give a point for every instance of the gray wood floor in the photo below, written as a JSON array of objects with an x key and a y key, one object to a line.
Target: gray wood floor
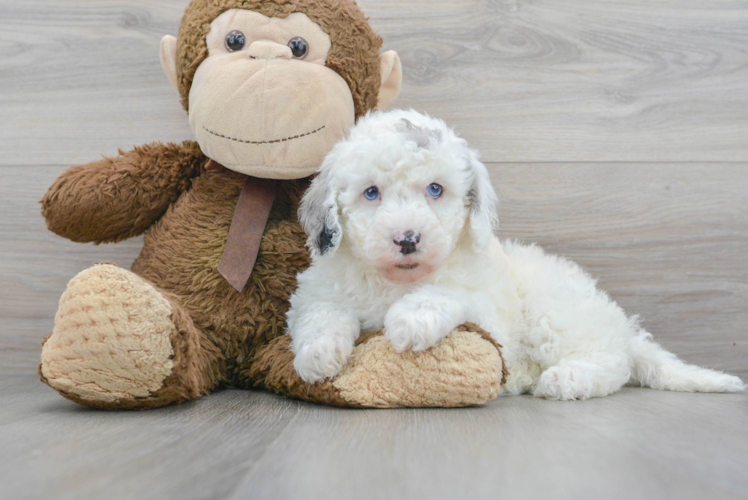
[
  {"x": 617, "y": 135},
  {"x": 637, "y": 444}
]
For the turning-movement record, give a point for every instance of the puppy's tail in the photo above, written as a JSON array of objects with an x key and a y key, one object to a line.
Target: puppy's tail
[{"x": 659, "y": 369}]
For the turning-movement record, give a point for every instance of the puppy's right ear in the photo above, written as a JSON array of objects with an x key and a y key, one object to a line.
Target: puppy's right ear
[{"x": 318, "y": 211}]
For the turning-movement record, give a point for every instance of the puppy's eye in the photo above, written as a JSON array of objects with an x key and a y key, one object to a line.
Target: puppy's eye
[
  {"x": 371, "y": 193},
  {"x": 299, "y": 47},
  {"x": 235, "y": 41},
  {"x": 435, "y": 190}
]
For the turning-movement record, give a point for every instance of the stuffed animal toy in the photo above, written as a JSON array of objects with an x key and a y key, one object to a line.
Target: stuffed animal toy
[{"x": 269, "y": 86}]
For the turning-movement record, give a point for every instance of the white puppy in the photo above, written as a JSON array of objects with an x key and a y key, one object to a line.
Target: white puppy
[{"x": 400, "y": 222}]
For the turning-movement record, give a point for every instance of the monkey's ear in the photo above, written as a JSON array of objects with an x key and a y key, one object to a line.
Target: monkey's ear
[
  {"x": 392, "y": 78},
  {"x": 169, "y": 59}
]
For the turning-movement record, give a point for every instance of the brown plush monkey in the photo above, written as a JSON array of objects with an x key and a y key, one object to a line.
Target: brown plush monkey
[{"x": 270, "y": 86}]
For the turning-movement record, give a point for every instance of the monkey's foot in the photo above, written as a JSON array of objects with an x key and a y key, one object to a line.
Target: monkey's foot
[
  {"x": 464, "y": 369},
  {"x": 118, "y": 343}
]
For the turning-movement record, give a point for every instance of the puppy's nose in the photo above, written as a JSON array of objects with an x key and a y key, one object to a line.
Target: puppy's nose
[{"x": 407, "y": 242}]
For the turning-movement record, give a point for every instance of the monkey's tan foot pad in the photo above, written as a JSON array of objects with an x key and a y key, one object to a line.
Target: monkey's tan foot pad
[
  {"x": 465, "y": 369},
  {"x": 111, "y": 343}
]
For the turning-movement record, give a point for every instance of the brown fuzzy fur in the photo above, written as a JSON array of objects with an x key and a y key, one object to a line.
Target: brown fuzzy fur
[
  {"x": 182, "y": 250},
  {"x": 355, "y": 47},
  {"x": 117, "y": 198}
]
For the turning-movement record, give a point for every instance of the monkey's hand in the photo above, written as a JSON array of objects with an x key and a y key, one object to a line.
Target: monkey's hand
[{"x": 117, "y": 198}]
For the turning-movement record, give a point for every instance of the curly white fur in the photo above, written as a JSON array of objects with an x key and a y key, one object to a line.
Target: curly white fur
[{"x": 563, "y": 338}]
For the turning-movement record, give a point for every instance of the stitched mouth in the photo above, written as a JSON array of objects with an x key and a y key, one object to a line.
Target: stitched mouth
[
  {"x": 263, "y": 142},
  {"x": 407, "y": 267}
]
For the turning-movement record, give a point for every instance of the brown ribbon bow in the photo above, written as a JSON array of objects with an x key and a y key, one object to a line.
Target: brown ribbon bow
[{"x": 247, "y": 227}]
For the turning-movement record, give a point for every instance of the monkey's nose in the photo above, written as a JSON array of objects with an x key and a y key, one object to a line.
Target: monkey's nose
[
  {"x": 269, "y": 50},
  {"x": 407, "y": 242}
]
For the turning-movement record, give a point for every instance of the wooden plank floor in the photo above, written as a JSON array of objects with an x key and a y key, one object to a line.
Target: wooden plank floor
[
  {"x": 639, "y": 443},
  {"x": 617, "y": 135}
]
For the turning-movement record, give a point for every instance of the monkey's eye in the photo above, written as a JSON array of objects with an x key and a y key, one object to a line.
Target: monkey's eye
[
  {"x": 435, "y": 190},
  {"x": 235, "y": 41},
  {"x": 371, "y": 193},
  {"x": 299, "y": 47}
]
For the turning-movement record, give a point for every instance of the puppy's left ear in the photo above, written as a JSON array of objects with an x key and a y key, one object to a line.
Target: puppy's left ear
[
  {"x": 318, "y": 211},
  {"x": 483, "y": 219}
]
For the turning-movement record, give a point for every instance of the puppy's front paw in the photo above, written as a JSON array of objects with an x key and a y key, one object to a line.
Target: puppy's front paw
[
  {"x": 417, "y": 323},
  {"x": 566, "y": 382},
  {"x": 321, "y": 358}
]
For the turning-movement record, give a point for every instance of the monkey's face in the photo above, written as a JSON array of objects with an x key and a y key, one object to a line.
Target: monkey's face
[
  {"x": 270, "y": 91},
  {"x": 263, "y": 103}
]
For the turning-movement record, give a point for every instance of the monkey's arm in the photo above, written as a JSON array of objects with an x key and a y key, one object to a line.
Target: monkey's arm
[{"x": 117, "y": 198}]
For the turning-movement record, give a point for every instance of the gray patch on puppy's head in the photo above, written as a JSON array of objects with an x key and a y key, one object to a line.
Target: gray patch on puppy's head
[{"x": 420, "y": 135}]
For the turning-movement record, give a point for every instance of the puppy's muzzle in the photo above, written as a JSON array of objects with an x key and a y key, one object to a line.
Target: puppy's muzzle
[{"x": 407, "y": 242}]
